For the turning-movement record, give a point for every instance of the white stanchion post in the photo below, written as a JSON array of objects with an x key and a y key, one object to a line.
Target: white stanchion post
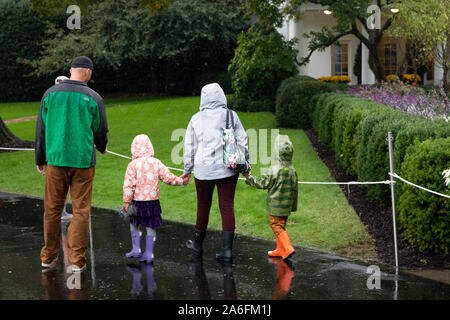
[{"x": 391, "y": 170}]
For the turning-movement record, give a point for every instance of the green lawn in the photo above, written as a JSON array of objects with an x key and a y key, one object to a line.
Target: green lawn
[{"x": 324, "y": 219}]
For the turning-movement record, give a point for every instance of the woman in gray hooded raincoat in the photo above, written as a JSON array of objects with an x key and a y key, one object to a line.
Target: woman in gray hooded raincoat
[{"x": 203, "y": 153}]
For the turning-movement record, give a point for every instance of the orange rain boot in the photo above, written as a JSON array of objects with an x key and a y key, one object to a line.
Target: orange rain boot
[
  {"x": 277, "y": 253},
  {"x": 284, "y": 279},
  {"x": 287, "y": 250}
]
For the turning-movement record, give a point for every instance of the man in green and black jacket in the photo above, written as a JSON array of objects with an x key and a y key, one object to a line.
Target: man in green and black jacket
[{"x": 71, "y": 125}]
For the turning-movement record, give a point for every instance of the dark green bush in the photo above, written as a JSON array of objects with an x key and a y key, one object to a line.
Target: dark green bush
[
  {"x": 293, "y": 101},
  {"x": 424, "y": 218},
  {"x": 342, "y": 112},
  {"x": 323, "y": 116},
  {"x": 262, "y": 60},
  {"x": 359, "y": 110},
  {"x": 418, "y": 131},
  {"x": 356, "y": 129},
  {"x": 366, "y": 130},
  {"x": 223, "y": 78},
  {"x": 20, "y": 36},
  {"x": 376, "y": 155},
  {"x": 242, "y": 104}
]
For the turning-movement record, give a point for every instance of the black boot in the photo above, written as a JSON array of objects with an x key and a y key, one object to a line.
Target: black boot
[
  {"x": 197, "y": 244},
  {"x": 227, "y": 241}
]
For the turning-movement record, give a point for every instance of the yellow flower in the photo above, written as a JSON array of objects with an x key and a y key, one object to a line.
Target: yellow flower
[
  {"x": 412, "y": 77},
  {"x": 335, "y": 79},
  {"x": 390, "y": 77}
]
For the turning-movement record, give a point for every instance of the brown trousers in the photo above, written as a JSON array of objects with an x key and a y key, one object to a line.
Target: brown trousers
[
  {"x": 278, "y": 224},
  {"x": 57, "y": 183}
]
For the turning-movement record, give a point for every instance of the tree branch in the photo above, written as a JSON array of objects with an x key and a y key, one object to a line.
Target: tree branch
[
  {"x": 359, "y": 35},
  {"x": 383, "y": 29}
]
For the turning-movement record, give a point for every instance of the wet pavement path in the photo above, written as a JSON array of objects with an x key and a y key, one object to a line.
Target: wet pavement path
[{"x": 174, "y": 275}]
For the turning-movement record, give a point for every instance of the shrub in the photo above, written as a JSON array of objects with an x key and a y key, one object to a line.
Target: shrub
[
  {"x": 365, "y": 132},
  {"x": 356, "y": 129},
  {"x": 344, "y": 129},
  {"x": 418, "y": 131},
  {"x": 376, "y": 155},
  {"x": 423, "y": 217},
  {"x": 261, "y": 61},
  {"x": 294, "y": 100},
  {"x": 20, "y": 37},
  {"x": 323, "y": 116},
  {"x": 223, "y": 78},
  {"x": 359, "y": 110},
  {"x": 242, "y": 104}
]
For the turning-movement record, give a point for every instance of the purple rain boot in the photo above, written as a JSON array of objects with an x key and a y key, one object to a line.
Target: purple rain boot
[
  {"x": 151, "y": 283},
  {"x": 136, "y": 241},
  {"x": 147, "y": 257},
  {"x": 137, "y": 281}
]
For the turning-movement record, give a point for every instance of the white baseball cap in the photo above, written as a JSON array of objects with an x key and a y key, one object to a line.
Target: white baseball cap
[{"x": 60, "y": 79}]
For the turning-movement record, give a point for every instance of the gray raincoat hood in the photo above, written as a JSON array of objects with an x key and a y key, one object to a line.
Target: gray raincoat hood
[{"x": 212, "y": 97}]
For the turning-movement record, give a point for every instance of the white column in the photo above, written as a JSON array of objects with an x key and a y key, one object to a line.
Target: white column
[
  {"x": 296, "y": 32},
  {"x": 367, "y": 76},
  {"x": 284, "y": 29}
]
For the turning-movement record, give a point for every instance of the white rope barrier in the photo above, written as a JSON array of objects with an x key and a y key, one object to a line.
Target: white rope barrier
[
  {"x": 122, "y": 156},
  {"x": 417, "y": 186},
  {"x": 347, "y": 183},
  {"x": 300, "y": 182}
]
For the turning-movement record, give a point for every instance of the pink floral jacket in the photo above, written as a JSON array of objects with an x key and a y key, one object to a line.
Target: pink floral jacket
[{"x": 141, "y": 181}]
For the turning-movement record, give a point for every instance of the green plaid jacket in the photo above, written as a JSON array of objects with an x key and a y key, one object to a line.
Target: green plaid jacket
[{"x": 281, "y": 182}]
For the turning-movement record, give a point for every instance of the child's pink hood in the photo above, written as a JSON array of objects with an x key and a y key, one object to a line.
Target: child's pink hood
[{"x": 141, "y": 147}]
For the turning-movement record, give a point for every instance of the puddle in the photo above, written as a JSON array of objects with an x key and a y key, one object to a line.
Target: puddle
[{"x": 174, "y": 276}]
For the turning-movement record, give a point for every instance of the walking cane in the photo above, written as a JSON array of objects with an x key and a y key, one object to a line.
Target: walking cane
[{"x": 91, "y": 244}]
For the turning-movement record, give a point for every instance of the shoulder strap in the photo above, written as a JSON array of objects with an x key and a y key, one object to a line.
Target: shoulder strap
[{"x": 229, "y": 114}]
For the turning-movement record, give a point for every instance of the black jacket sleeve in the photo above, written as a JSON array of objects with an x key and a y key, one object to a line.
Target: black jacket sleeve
[
  {"x": 39, "y": 142},
  {"x": 101, "y": 135}
]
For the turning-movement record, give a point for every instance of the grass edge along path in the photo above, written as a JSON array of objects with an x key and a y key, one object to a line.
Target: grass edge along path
[{"x": 324, "y": 220}]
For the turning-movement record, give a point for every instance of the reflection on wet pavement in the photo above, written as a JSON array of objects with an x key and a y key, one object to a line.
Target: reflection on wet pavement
[{"x": 175, "y": 275}]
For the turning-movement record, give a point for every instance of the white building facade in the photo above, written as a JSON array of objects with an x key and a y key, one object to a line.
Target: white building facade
[{"x": 340, "y": 59}]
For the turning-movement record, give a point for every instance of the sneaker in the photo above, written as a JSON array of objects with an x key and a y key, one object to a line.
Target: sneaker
[
  {"x": 51, "y": 264},
  {"x": 66, "y": 216},
  {"x": 75, "y": 269}
]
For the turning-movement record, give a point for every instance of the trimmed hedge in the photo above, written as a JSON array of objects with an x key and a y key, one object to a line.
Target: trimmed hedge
[
  {"x": 425, "y": 218},
  {"x": 294, "y": 105},
  {"x": 356, "y": 129}
]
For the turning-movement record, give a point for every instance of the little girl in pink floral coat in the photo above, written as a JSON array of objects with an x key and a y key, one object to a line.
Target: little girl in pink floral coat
[{"x": 141, "y": 187}]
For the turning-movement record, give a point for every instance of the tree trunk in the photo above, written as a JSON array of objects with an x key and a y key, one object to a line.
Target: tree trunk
[
  {"x": 444, "y": 80},
  {"x": 9, "y": 140},
  {"x": 375, "y": 63},
  {"x": 445, "y": 64}
]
